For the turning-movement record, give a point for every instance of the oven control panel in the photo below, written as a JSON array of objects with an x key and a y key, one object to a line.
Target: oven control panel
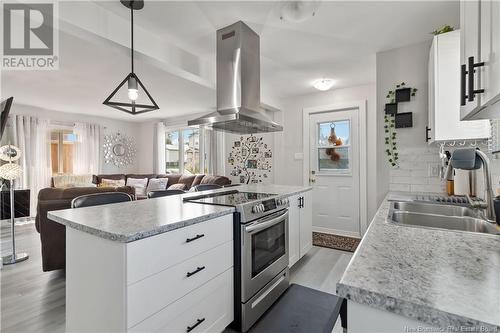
[{"x": 268, "y": 205}]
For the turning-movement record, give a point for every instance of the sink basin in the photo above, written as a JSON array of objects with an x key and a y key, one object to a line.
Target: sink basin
[
  {"x": 460, "y": 223},
  {"x": 427, "y": 208},
  {"x": 452, "y": 217}
]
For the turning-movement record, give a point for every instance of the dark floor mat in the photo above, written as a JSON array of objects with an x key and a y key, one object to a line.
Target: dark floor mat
[
  {"x": 337, "y": 242},
  {"x": 300, "y": 310}
]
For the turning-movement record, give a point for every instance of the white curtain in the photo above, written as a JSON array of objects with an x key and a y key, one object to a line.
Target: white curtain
[
  {"x": 32, "y": 136},
  {"x": 86, "y": 149},
  {"x": 159, "y": 148},
  {"x": 214, "y": 149}
]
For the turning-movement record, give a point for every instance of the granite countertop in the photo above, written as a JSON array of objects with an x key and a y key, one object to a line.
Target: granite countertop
[
  {"x": 439, "y": 277},
  {"x": 131, "y": 221}
]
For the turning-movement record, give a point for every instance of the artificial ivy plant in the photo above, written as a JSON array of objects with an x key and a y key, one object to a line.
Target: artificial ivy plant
[
  {"x": 390, "y": 127},
  {"x": 390, "y": 140}
]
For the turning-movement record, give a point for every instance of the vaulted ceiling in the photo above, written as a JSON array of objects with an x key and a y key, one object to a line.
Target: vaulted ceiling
[{"x": 176, "y": 49}]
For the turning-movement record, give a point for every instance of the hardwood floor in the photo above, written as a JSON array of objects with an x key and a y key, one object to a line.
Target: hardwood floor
[
  {"x": 34, "y": 301},
  {"x": 31, "y": 300}
]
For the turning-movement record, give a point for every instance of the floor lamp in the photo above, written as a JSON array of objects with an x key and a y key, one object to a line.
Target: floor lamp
[{"x": 11, "y": 171}]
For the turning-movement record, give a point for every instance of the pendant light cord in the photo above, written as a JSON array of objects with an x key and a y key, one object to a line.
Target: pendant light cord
[{"x": 132, "y": 35}]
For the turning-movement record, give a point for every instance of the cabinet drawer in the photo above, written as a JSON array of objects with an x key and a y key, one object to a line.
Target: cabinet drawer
[
  {"x": 212, "y": 304},
  {"x": 154, "y": 293},
  {"x": 155, "y": 254}
]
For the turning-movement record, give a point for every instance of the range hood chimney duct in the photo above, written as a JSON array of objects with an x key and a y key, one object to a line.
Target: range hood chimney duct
[{"x": 238, "y": 84}]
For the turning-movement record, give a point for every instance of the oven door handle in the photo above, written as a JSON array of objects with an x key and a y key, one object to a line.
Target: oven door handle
[{"x": 251, "y": 229}]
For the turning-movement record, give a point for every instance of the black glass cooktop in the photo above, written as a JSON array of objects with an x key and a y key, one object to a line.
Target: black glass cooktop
[{"x": 229, "y": 198}]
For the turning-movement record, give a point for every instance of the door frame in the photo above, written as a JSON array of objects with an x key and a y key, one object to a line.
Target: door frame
[{"x": 363, "y": 186}]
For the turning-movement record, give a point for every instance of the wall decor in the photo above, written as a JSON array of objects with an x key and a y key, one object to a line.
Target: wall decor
[
  {"x": 119, "y": 149},
  {"x": 250, "y": 159},
  {"x": 393, "y": 119},
  {"x": 404, "y": 119}
]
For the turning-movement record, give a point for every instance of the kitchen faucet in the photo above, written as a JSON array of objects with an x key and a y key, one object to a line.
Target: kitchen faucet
[{"x": 472, "y": 159}]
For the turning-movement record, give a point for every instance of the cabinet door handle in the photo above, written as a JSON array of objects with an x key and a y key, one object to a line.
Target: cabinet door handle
[
  {"x": 463, "y": 93},
  {"x": 427, "y": 130},
  {"x": 198, "y": 322},
  {"x": 198, "y": 269},
  {"x": 471, "y": 72},
  {"x": 188, "y": 240}
]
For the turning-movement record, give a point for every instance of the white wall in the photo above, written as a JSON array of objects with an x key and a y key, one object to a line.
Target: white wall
[
  {"x": 408, "y": 64},
  {"x": 288, "y": 170},
  {"x": 108, "y": 126}
]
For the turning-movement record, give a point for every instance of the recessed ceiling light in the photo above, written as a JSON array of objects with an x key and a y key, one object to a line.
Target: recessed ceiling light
[{"x": 323, "y": 84}]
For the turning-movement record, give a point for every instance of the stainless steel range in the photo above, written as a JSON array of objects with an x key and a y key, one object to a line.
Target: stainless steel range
[{"x": 261, "y": 250}]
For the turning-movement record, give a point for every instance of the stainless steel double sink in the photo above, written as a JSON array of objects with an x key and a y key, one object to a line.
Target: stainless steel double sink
[{"x": 441, "y": 216}]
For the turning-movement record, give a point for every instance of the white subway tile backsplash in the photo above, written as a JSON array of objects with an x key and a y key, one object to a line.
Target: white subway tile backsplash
[
  {"x": 400, "y": 173},
  {"x": 399, "y": 187},
  {"x": 418, "y": 173},
  {"x": 412, "y": 175}
]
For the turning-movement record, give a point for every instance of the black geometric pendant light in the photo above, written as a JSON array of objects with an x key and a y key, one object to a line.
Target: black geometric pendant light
[{"x": 133, "y": 82}]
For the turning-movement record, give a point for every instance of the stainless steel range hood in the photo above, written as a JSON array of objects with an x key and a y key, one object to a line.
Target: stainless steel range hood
[{"x": 238, "y": 84}]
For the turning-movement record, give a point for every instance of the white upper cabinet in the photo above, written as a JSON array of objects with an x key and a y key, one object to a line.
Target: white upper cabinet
[
  {"x": 479, "y": 59},
  {"x": 444, "y": 93},
  {"x": 490, "y": 55}
]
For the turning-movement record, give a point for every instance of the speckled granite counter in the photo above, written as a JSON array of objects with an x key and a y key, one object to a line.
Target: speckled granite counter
[
  {"x": 130, "y": 221},
  {"x": 439, "y": 277}
]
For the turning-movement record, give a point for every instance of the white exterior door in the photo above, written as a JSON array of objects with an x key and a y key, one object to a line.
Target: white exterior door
[{"x": 334, "y": 171}]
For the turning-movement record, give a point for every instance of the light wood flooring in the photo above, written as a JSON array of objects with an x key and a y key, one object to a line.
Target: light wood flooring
[{"x": 34, "y": 301}]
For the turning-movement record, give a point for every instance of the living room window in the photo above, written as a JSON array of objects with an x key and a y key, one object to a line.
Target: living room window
[
  {"x": 184, "y": 151},
  {"x": 61, "y": 151}
]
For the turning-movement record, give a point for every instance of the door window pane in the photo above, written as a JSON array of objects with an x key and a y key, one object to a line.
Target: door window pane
[
  {"x": 172, "y": 152},
  {"x": 338, "y": 130},
  {"x": 333, "y": 146},
  {"x": 333, "y": 159},
  {"x": 191, "y": 140}
]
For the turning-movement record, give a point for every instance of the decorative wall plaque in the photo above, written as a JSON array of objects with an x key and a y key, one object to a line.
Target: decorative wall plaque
[
  {"x": 119, "y": 149},
  {"x": 251, "y": 160}
]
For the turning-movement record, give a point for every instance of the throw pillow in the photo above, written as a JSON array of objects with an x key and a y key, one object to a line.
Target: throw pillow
[
  {"x": 178, "y": 186},
  {"x": 66, "y": 181},
  {"x": 111, "y": 182},
  {"x": 157, "y": 184},
  {"x": 139, "y": 184}
]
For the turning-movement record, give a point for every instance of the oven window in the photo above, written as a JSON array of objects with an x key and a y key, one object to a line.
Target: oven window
[{"x": 268, "y": 245}]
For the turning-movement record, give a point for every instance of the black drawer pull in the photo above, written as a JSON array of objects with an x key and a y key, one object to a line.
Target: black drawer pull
[
  {"x": 427, "y": 130},
  {"x": 188, "y": 274},
  {"x": 194, "y": 238},
  {"x": 471, "y": 71},
  {"x": 198, "y": 322},
  {"x": 463, "y": 88}
]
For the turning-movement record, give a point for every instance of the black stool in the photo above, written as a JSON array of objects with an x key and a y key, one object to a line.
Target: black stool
[{"x": 303, "y": 310}]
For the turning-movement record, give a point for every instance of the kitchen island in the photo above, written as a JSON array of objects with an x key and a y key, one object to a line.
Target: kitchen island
[
  {"x": 160, "y": 264},
  {"x": 411, "y": 279}
]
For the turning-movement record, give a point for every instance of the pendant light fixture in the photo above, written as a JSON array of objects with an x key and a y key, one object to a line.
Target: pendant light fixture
[{"x": 132, "y": 81}]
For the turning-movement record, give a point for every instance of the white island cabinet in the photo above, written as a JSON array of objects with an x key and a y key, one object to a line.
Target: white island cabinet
[
  {"x": 300, "y": 226},
  {"x": 177, "y": 281},
  {"x": 160, "y": 265}
]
